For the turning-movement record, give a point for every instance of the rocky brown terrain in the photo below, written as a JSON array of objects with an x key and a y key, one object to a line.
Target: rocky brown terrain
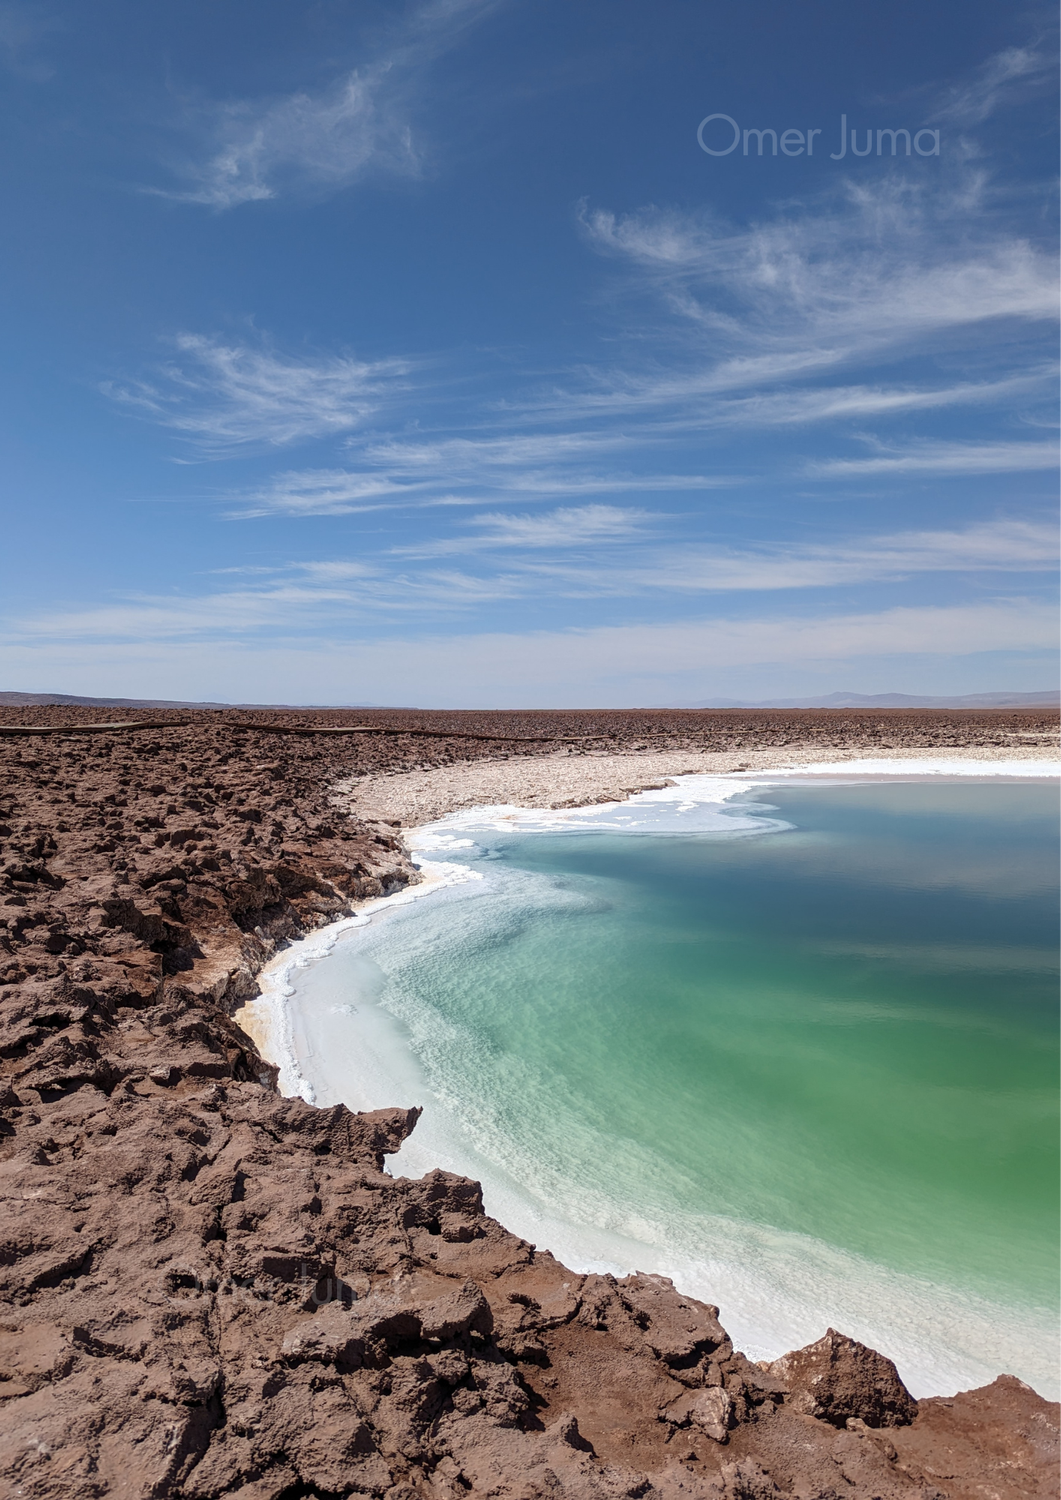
[{"x": 209, "y": 1290}]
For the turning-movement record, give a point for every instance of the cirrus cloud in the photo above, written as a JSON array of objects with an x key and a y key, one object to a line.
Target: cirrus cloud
[{"x": 224, "y": 396}]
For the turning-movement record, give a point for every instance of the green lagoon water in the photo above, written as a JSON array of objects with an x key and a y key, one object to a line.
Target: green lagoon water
[{"x": 804, "y": 1058}]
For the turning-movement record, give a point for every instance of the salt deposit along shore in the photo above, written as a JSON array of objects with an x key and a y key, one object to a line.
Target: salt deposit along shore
[
  {"x": 563, "y": 780},
  {"x": 364, "y": 1063},
  {"x": 212, "y": 1290}
]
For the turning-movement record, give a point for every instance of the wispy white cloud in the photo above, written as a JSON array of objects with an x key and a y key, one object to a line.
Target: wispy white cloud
[
  {"x": 322, "y": 492},
  {"x": 695, "y": 399},
  {"x": 870, "y": 272},
  {"x": 546, "y": 464},
  {"x": 469, "y": 457},
  {"x": 619, "y": 560},
  {"x": 789, "y": 408},
  {"x": 887, "y": 264},
  {"x": 604, "y": 665},
  {"x": 757, "y": 318},
  {"x": 326, "y": 140},
  {"x": 1005, "y": 78},
  {"x": 323, "y": 140},
  {"x": 612, "y": 536},
  {"x": 290, "y": 603},
  {"x": 610, "y": 653},
  {"x": 299, "y": 597},
  {"x": 943, "y": 459},
  {"x": 990, "y": 546},
  {"x": 783, "y": 323},
  {"x": 464, "y": 471},
  {"x": 225, "y": 395},
  {"x": 775, "y": 356},
  {"x": 993, "y": 547},
  {"x": 585, "y": 552},
  {"x": 569, "y": 527}
]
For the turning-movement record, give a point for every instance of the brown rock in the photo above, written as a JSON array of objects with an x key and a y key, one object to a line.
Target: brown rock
[
  {"x": 709, "y": 1410},
  {"x": 838, "y": 1378},
  {"x": 999, "y": 1440}
]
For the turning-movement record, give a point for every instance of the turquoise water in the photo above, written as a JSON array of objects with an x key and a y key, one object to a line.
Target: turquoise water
[{"x": 805, "y": 1061}]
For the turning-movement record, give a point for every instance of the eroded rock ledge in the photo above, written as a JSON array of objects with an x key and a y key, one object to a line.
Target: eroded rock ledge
[{"x": 212, "y": 1291}]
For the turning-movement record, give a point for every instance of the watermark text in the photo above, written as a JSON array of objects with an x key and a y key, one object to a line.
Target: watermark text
[{"x": 720, "y": 135}]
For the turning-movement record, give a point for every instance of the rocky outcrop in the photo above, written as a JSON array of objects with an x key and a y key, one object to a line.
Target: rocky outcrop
[
  {"x": 208, "y": 1290},
  {"x": 214, "y": 1291},
  {"x": 840, "y": 1380}
]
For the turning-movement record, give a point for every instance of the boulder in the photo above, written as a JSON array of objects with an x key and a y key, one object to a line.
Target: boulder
[{"x": 838, "y": 1378}]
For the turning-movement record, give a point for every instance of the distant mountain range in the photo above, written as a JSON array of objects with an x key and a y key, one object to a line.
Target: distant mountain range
[
  {"x": 1047, "y": 699},
  {"x": 57, "y": 700}
]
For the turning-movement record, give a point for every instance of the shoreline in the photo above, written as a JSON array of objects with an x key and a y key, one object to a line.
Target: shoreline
[
  {"x": 412, "y": 798},
  {"x": 263, "y": 1017},
  {"x": 269, "y": 1021},
  {"x": 586, "y": 781}
]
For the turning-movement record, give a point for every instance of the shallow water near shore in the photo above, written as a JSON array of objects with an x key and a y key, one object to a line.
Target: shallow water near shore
[{"x": 795, "y": 1047}]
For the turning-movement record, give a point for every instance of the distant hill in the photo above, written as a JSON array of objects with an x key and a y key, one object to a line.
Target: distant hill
[
  {"x": 1046, "y": 699},
  {"x": 47, "y": 700}
]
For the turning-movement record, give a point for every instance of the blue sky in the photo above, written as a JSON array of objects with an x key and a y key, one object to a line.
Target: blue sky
[{"x": 419, "y": 354}]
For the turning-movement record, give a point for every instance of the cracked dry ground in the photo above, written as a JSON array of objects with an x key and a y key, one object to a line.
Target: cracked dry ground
[{"x": 210, "y": 1290}]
